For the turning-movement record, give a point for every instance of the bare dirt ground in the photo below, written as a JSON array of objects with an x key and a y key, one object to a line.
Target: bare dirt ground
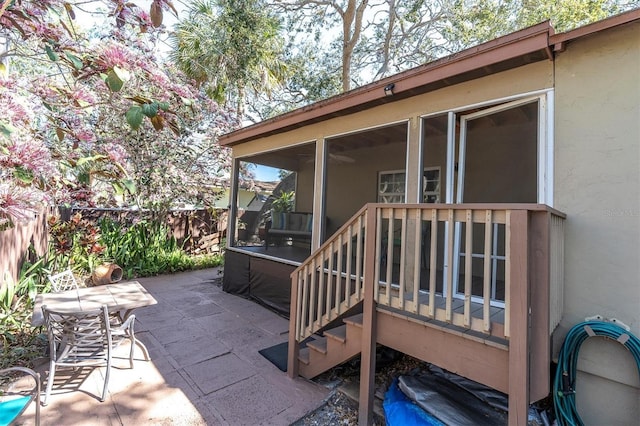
[{"x": 342, "y": 409}]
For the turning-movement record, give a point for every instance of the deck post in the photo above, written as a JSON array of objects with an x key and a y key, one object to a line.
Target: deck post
[
  {"x": 368, "y": 351},
  {"x": 293, "y": 349},
  {"x": 519, "y": 318},
  {"x": 540, "y": 267}
]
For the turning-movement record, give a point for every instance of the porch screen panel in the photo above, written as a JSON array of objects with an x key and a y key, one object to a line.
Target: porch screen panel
[
  {"x": 433, "y": 183},
  {"x": 501, "y": 157},
  {"x": 498, "y": 163}
]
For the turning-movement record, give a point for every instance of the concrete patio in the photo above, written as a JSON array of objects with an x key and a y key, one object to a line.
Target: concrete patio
[{"x": 205, "y": 367}]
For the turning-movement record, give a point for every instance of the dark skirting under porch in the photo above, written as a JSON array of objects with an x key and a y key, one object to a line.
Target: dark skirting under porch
[{"x": 264, "y": 280}]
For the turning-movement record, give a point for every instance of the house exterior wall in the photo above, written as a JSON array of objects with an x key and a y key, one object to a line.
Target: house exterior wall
[
  {"x": 532, "y": 77},
  {"x": 597, "y": 184},
  {"x": 352, "y": 185},
  {"x": 304, "y": 189}
]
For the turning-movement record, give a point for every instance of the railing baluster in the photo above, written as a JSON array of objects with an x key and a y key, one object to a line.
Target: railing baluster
[
  {"x": 300, "y": 302},
  {"x": 417, "y": 263},
  {"x": 338, "y": 303},
  {"x": 449, "y": 283},
  {"x": 305, "y": 303},
  {"x": 330, "y": 280},
  {"x": 378, "y": 263},
  {"x": 312, "y": 295},
  {"x": 403, "y": 256},
  {"x": 468, "y": 258},
  {"x": 347, "y": 286},
  {"x": 348, "y": 274},
  {"x": 389, "y": 253},
  {"x": 321, "y": 291},
  {"x": 359, "y": 261},
  {"x": 432, "y": 263},
  {"x": 486, "y": 288},
  {"x": 338, "y": 277}
]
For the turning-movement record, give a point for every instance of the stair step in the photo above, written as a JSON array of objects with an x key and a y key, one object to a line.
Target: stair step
[
  {"x": 303, "y": 356},
  {"x": 319, "y": 344},
  {"x": 339, "y": 333},
  {"x": 354, "y": 320}
]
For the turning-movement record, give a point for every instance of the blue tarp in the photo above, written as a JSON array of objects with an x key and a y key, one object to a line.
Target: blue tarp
[{"x": 400, "y": 410}]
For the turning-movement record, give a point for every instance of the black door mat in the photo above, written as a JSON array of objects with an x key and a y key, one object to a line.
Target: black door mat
[{"x": 278, "y": 354}]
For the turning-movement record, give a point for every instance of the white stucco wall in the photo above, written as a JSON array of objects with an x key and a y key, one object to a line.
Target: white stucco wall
[{"x": 597, "y": 184}]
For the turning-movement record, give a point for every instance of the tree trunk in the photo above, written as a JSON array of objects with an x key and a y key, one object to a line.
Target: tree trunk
[{"x": 351, "y": 28}]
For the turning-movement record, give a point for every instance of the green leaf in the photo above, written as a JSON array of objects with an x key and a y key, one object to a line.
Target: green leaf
[
  {"x": 150, "y": 110},
  {"x": 122, "y": 73},
  {"x": 124, "y": 186},
  {"x": 23, "y": 175},
  {"x": 6, "y": 129},
  {"x": 130, "y": 185},
  {"x": 77, "y": 62},
  {"x": 118, "y": 188},
  {"x": 114, "y": 83},
  {"x": 134, "y": 117},
  {"x": 51, "y": 54},
  {"x": 84, "y": 177},
  {"x": 85, "y": 160}
]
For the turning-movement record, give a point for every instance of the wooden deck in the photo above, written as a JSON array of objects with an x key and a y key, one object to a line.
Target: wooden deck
[{"x": 489, "y": 320}]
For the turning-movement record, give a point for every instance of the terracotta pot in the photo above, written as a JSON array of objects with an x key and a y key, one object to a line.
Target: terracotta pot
[{"x": 107, "y": 274}]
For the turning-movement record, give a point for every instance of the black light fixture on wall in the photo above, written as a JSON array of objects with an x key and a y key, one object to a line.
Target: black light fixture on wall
[{"x": 388, "y": 89}]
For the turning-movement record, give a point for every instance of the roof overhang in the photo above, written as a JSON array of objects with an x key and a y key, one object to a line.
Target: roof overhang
[
  {"x": 559, "y": 41},
  {"x": 533, "y": 44}
]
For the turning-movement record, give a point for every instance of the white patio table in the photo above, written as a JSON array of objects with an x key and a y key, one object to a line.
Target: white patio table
[{"x": 124, "y": 296}]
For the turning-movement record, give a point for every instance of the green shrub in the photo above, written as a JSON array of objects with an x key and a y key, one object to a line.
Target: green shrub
[
  {"x": 74, "y": 243},
  {"x": 141, "y": 249},
  {"x": 20, "y": 342},
  {"x": 207, "y": 261}
]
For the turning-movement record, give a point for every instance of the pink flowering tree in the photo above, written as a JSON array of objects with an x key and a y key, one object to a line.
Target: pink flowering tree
[{"x": 93, "y": 116}]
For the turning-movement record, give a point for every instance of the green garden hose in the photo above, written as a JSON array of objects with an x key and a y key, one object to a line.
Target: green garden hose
[{"x": 564, "y": 395}]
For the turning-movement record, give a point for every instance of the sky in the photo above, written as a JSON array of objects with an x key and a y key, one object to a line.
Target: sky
[{"x": 266, "y": 174}]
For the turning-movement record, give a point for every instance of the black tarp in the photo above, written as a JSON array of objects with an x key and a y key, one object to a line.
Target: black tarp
[
  {"x": 457, "y": 400},
  {"x": 236, "y": 273},
  {"x": 270, "y": 283},
  {"x": 263, "y": 280},
  {"x": 448, "y": 402}
]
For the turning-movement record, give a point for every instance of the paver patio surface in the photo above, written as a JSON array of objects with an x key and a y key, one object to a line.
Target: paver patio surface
[{"x": 205, "y": 368}]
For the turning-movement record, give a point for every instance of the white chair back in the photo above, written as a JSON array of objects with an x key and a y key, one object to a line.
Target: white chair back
[{"x": 63, "y": 281}]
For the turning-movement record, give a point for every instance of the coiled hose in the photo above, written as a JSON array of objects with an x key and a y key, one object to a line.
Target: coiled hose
[{"x": 564, "y": 395}]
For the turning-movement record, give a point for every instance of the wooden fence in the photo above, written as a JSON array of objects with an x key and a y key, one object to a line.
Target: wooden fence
[{"x": 200, "y": 230}]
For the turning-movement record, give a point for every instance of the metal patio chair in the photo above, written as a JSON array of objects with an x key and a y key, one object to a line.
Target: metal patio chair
[
  {"x": 79, "y": 339},
  {"x": 15, "y": 401},
  {"x": 63, "y": 281}
]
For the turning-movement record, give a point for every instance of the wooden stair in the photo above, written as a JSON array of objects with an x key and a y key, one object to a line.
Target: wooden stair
[
  {"x": 338, "y": 345},
  {"x": 445, "y": 345}
]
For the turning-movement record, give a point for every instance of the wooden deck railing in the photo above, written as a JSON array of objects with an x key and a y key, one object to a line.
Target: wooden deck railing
[
  {"x": 458, "y": 264},
  {"x": 331, "y": 280}
]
